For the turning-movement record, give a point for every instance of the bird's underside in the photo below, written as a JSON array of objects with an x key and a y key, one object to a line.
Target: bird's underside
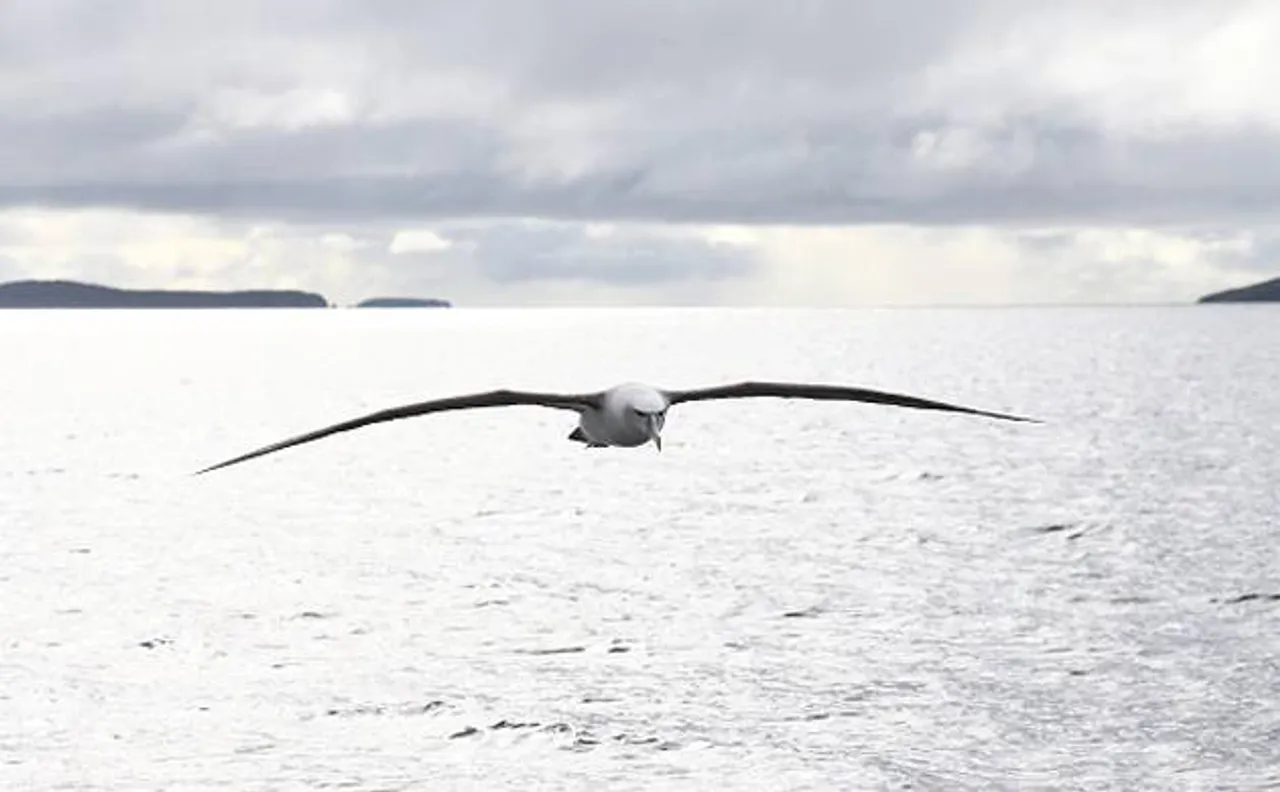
[{"x": 579, "y": 436}]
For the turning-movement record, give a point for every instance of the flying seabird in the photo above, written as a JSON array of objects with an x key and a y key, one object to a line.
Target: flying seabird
[{"x": 627, "y": 415}]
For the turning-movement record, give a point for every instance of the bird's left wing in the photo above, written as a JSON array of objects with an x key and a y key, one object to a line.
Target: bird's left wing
[
  {"x": 497, "y": 398},
  {"x": 796, "y": 390}
]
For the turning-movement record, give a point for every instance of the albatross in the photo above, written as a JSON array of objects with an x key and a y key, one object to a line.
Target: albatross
[{"x": 627, "y": 415}]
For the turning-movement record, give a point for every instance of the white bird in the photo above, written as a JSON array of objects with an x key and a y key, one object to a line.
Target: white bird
[{"x": 627, "y": 415}]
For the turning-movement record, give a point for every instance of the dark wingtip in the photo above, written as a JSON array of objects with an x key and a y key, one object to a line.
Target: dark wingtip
[
  {"x": 1016, "y": 418},
  {"x": 227, "y": 463},
  {"x": 1000, "y": 416}
]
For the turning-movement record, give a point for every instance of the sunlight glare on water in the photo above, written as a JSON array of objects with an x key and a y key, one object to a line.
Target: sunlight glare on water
[{"x": 789, "y": 596}]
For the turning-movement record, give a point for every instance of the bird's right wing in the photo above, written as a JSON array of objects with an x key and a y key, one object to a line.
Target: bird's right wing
[
  {"x": 796, "y": 390},
  {"x": 498, "y": 398}
]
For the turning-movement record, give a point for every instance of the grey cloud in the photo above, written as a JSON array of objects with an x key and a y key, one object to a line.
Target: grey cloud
[
  {"x": 513, "y": 253},
  {"x": 702, "y": 111},
  {"x": 509, "y": 253},
  {"x": 730, "y": 186},
  {"x": 67, "y": 148}
]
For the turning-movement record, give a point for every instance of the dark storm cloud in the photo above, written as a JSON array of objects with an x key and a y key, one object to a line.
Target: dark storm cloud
[{"x": 742, "y": 111}]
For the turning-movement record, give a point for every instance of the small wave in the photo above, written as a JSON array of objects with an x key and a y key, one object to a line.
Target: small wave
[{"x": 1253, "y": 596}]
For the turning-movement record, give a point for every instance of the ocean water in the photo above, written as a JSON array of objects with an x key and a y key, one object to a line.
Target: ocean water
[{"x": 789, "y": 596}]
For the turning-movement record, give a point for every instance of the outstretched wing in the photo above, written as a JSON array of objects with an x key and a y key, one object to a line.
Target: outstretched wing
[
  {"x": 497, "y": 398},
  {"x": 792, "y": 390}
]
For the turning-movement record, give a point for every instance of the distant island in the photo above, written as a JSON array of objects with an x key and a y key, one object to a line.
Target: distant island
[
  {"x": 403, "y": 302},
  {"x": 1267, "y": 291},
  {"x": 71, "y": 294},
  {"x": 74, "y": 294}
]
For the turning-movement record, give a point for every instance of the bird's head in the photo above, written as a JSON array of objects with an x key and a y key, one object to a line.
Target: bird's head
[
  {"x": 651, "y": 423},
  {"x": 649, "y": 411}
]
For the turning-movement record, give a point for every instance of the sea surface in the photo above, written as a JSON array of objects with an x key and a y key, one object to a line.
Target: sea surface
[{"x": 791, "y": 595}]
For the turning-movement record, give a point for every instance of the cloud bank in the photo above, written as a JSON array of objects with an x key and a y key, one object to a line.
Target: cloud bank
[{"x": 568, "y": 151}]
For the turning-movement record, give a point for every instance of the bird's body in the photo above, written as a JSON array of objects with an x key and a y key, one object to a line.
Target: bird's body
[{"x": 627, "y": 415}]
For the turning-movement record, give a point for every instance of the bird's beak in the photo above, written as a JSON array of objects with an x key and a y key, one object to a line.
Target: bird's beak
[{"x": 654, "y": 432}]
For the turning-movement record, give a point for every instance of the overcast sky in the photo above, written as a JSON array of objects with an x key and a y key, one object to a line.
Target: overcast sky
[{"x": 645, "y": 151}]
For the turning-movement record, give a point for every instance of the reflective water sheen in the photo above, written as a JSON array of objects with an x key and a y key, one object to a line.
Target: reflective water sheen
[{"x": 789, "y": 596}]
